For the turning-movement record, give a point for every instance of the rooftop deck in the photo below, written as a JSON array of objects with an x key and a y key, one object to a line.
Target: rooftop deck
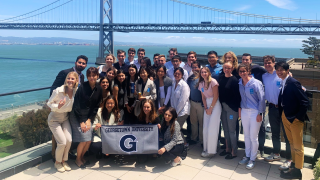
[{"x": 193, "y": 167}]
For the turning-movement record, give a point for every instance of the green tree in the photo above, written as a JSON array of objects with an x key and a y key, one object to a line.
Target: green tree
[{"x": 310, "y": 46}]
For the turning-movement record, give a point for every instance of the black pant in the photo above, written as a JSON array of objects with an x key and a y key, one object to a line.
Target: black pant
[
  {"x": 173, "y": 153},
  {"x": 262, "y": 135},
  {"x": 129, "y": 118},
  {"x": 276, "y": 125},
  {"x": 95, "y": 147}
]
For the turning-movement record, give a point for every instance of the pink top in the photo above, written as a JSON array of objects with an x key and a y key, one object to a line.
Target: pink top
[{"x": 208, "y": 93}]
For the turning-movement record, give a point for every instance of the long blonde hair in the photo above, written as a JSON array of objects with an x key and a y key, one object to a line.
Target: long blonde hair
[
  {"x": 201, "y": 79},
  {"x": 235, "y": 59},
  {"x": 75, "y": 74},
  {"x": 113, "y": 57}
]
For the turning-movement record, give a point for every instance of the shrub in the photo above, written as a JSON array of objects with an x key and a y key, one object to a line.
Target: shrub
[
  {"x": 316, "y": 170},
  {"x": 33, "y": 127}
]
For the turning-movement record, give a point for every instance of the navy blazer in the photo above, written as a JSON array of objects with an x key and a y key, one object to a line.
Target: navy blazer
[
  {"x": 124, "y": 67},
  {"x": 61, "y": 77},
  {"x": 293, "y": 101}
]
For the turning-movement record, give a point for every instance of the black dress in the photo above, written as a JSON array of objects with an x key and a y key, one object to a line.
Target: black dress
[{"x": 85, "y": 106}]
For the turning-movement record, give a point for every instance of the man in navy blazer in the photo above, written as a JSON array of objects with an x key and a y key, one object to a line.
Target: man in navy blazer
[
  {"x": 121, "y": 56},
  {"x": 293, "y": 104},
  {"x": 80, "y": 65}
]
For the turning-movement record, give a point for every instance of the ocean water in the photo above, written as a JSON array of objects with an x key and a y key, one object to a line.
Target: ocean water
[{"x": 34, "y": 66}]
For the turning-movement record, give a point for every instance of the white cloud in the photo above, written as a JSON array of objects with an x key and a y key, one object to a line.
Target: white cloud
[
  {"x": 172, "y": 37},
  {"x": 243, "y": 8},
  {"x": 283, "y": 4},
  {"x": 200, "y": 38}
]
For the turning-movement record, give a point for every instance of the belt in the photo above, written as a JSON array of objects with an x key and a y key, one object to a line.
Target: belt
[
  {"x": 270, "y": 104},
  {"x": 196, "y": 101}
]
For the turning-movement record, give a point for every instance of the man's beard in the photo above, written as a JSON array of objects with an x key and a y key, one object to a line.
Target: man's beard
[{"x": 79, "y": 68}]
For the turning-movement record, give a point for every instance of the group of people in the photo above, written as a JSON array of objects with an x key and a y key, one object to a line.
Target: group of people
[{"x": 168, "y": 94}]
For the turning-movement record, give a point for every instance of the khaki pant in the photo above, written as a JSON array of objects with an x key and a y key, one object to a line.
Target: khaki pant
[
  {"x": 196, "y": 116},
  {"x": 294, "y": 132},
  {"x": 61, "y": 130}
]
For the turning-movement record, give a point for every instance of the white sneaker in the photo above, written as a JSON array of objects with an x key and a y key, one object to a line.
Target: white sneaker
[
  {"x": 59, "y": 167},
  {"x": 250, "y": 164},
  {"x": 203, "y": 153},
  {"x": 272, "y": 158},
  {"x": 285, "y": 166},
  {"x": 175, "y": 164},
  {"x": 66, "y": 166},
  {"x": 207, "y": 155}
]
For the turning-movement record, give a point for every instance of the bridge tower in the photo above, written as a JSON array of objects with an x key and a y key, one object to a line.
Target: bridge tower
[{"x": 105, "y": 36}]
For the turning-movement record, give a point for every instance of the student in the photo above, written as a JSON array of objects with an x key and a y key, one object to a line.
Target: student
[
  {"x": 111, "y": 74},
  {"x": 121, "y": 55},
  {"x": 211, "y": 118},
  {"x": 164, "y": 87},
  {"x": 119, "y": 90},
  {"x": 230, "y": 98},
  {"x": 231, "y": 57},
  {"x": 146, "y": 62},
  {"x": 108, "y": 114},
  {"x": 252, "y": 108},
  {"x": 191, "y": 57},
  {"x": 145, "y": 86},
  {"x": 105, "y": 85},
  {"x": 155, "y": 61},
  {"x": 172, "y": 52},
  {"x": 176, "y": 61},
  {"x": 257, "y": 72},
  {"x": 162, "y": 60},
  {"x": 196, "y": 106},
  {"x": 172, "y": 145},
  {"x": 130, "y": 59},
  {"x": 293, "y": 104},
  {"x": 141, "y": 54},
  {"x": 61, "y": 102},
  {"x": 180, "y": 96},
  {"x": 130, "y": 98},
  {"x": 214, "y": 66},
  {"x": 110, "y": 60},
  {"x": 86, "y": 103},
  {"x": 272, "y": 85}
]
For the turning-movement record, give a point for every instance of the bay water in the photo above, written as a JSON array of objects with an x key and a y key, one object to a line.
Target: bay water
[{"x": 34, "y": 66}]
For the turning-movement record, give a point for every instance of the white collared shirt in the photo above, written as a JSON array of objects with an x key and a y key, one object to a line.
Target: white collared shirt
[
  {"x": 180, "y": 98},
  {"x": 188, "y": 69},
  {"x": 136, "y": 62},
  {"x": 283, "y": 83},
  {"x": 170, "y": 74}
]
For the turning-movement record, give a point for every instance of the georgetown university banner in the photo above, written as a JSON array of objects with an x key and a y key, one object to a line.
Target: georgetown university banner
[{"x": 136, "y": 139}]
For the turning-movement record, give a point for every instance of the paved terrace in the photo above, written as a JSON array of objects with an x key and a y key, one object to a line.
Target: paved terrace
[{"x": 193, "y": 167}]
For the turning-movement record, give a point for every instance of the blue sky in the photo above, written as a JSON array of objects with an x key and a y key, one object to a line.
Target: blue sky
[{"x": 151, "y": 11}]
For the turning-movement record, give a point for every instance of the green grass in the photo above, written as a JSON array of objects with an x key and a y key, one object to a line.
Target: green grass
[
  {"x": 4, "y": 154},
  {"x": 5, "y": 140}
]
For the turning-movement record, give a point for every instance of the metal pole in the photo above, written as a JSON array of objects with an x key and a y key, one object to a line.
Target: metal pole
[
  {"x": 111, "y": 48},
  {"x": 101, "y": 43}
]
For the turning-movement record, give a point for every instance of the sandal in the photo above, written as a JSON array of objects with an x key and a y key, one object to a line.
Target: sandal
[
  {"x": 224, "y": 152},
  {"x": 82, "y": 166}
]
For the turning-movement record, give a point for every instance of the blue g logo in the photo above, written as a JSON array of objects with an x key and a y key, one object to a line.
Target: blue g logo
[{"x": 132, "y": 142}]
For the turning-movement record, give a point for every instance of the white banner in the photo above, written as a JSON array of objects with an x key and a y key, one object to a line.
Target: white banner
[{"x": 134, "y": 139}]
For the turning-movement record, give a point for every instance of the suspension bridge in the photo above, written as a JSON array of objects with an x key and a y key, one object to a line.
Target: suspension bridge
[{"x": 165, "y": 16}]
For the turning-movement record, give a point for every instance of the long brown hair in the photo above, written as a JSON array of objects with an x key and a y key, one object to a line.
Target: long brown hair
[
  {"x": 153, "y": 114},
  {"x": 202, "y": 80},
  {"x": 105, "y": 114},
  {"x": 172, "y": 121}
]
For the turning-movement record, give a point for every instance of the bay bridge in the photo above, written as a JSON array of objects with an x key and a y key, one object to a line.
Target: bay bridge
[{"x": 164, "y": 16}]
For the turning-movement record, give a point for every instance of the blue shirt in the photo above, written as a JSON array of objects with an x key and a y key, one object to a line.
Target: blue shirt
[
  {"x": 126, "y": 61},
  {"x": 252, "y": 95},
  {"x": 215, "y": 70},
  {"x": 195, "y": 94},
  {"x": 169, "y": 65},
  {"x": 272, "y": 86}
]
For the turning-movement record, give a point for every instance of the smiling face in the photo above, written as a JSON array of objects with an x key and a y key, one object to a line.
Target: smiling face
[
  {"x": 162, "y": 61},
  {"x": 195, "y": 69},
  {"x": 121, "y": 77},
  {"x": 147, "y": 108},
  {"x": 161, "y": 73},
  {"x": 121, "y": 57},
  {"x": 144, "y": 75},
  {"x": 229, "y": 58},
  {"x": 227, "y": 69},
  {"x": 140, "y": 55},
  {"x": 109, "y": 61},
  {"x": 155, "y": 60},
  {"x": 132, "y": 71},
  {"x": 167, "y": 116},
  {"x": 71, "y": 81},
  {"x": 282, "y": 73},
  {"x": 268, "y": 65},
  {"x": 212, "y": 59},
  {"x": 104, "y": 84},
  {"x": 243, "y": 73},
  {"x": 110, "y": 104},
  {"x": 176, "y": 63},
  {"x": 178, "y": 75},
  {"x": 131, "y": 54},
  {"x": 110, "y": 75},
  {"x": 80, "y": 65},
  {"x": 92, "y": 78},
  {"x": 143, "y": 63},
  {"x": 246, "y": 60},
  {"x": 204, "y": 73},
  {"x": 191, "y": 58}
]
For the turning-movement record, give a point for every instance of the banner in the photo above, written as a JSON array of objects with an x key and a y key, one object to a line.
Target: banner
[{"x": 134, "y": 139}]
